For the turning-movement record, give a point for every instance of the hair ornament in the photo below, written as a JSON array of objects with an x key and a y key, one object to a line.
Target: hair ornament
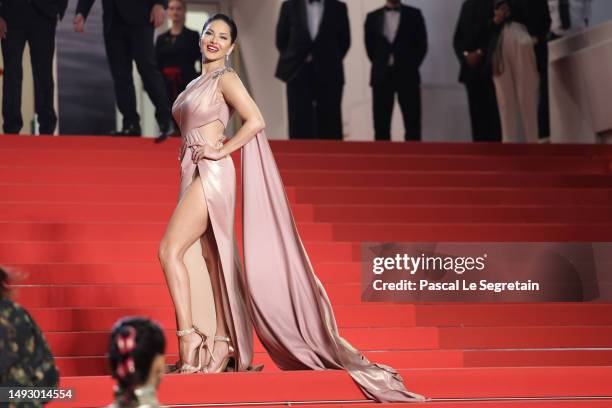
[
  {"x": 126, "y": 367},
  {"x": 126, "y": 343}
]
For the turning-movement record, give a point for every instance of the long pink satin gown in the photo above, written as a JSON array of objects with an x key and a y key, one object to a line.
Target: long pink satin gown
[{"x": 277, "y": 292}]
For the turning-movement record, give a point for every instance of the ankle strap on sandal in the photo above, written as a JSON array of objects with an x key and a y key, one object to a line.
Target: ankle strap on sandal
[
  {"x": 185, "y": 332},
  {"x": 222, "y": 338}
]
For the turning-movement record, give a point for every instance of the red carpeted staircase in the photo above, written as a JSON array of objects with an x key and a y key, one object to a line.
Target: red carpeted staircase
[{"x": 82, "y": 217}]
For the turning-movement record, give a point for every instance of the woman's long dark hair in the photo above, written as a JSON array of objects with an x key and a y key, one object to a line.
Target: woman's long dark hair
[
  {"x": 134, "y": 344},
  {"x": 225, "y": 18}
]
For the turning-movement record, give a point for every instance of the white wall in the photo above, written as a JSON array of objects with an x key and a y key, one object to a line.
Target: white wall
[
  {"x": 256, "y": 22},
  {"x": 602, "y": 11}
]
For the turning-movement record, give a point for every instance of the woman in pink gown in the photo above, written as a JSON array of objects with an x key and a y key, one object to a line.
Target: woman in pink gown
[{"x": 277, "y": 292}]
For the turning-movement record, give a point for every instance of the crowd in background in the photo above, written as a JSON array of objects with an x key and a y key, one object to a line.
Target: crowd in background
[
  {"x": 502, "y": 47},
  {"x": 165, "y": 66}
]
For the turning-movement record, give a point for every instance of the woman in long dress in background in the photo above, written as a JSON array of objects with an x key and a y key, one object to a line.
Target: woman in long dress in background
[{"x": 277, "y": 293}]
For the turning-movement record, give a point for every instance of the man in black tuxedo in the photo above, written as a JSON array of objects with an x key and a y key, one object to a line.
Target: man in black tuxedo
[
  {"x": 313, "y": 37},
  {"x": 34, "y": 22},
  {"x": 471, "y": 44},
  {"x": 128, "y": 35},
  {"x": 396, "y": 43}
]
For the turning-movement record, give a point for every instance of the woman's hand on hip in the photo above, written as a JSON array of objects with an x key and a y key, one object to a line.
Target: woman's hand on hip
[{"x": 205, "y": 151}]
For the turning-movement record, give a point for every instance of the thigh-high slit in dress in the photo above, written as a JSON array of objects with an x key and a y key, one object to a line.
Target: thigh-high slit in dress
[{"x": 276, "y": 292}]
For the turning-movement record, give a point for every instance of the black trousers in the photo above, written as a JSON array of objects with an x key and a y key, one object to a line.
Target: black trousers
[
  {"x": 126, "y": 43},
  {"x": 409, "y": 98},
  {"x": 39, "y": 32},
  {"x": 315, "y": 106},
  {"x": 484, "y": 113}
]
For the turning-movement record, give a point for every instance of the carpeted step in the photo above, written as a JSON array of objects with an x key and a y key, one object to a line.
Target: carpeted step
[
  {"x": 99, "y": 365},
  {"x": 483, "y": 195},
  {"x": 336, "y": 385},
  {"x": 319, "y": 178},
  {"x": 365, "y": 315},
  {"x": 395, "y": 339}
]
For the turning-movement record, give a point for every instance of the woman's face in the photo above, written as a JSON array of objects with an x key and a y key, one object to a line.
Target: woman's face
[
  {"x": 216, "y": 41},
  {"x": 176, "y": 11}
]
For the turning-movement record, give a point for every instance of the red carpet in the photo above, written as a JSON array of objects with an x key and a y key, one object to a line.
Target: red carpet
[{"x": 81, "y": 217}]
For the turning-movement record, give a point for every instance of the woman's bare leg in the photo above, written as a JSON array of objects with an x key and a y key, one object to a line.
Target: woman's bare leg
[
  {"x": 187, "y": 224},
  {"x": 211, "y": 255},
  {"x": 213, "y": 263}
]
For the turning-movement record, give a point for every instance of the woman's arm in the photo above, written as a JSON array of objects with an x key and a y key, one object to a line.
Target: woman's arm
[{"x": 238, "y": 97}]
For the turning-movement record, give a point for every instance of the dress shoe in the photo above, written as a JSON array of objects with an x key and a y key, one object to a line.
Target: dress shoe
[
  {"x": 129, "y": 130},
  {"x": 166, "y": 131}
]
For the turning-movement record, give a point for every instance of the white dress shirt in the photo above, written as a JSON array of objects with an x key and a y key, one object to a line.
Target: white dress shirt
[
  {"x": 392, "y": 21},
  {"x": 580, "y": 14},
  {"x": 315, "y": 14}
]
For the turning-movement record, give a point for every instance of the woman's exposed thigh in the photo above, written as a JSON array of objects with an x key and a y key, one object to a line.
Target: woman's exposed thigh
[{"x": 189, "y": 220}]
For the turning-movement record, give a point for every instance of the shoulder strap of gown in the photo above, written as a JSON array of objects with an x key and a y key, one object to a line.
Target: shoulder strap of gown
[{"x": 223, "y": 71}]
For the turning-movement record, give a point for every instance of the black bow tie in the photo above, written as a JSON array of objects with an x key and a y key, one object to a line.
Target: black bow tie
[
  {"x": 387, "y": 8},
  {"x": 314, "y": 1}
]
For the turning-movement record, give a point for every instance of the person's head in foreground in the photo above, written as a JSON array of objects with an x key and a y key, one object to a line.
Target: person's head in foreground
[
  {"x": 4, "y": 282},
  {"x": 9, "y": 276},
  {"x": 25, "y": 357},
  {"x": 218, "y": 37},
  {"x": 136, "y": 353}
]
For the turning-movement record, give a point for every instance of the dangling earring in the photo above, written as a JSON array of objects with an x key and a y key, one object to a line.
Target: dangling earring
[{"x": 227, "y": 58}]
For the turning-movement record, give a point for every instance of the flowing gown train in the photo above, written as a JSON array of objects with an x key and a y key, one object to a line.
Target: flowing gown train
[{"x": 277, "y": 291}]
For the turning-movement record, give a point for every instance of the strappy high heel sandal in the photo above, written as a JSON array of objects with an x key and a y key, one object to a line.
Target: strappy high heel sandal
[
  {"x": 221, "y": 365},
  {"x": 187, "y": 368}
]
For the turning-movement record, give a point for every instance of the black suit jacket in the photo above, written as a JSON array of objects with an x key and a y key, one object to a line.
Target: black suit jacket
[
  {"x": 409, "y": 47},
  {"x": 328, "y": 49},
  {"x": 133, "y": 12},
  {"x": 10, "y": 10},
  {"x": 473, "y": 32}
]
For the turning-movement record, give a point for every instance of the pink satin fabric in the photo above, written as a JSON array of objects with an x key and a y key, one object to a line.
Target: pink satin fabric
[
  {"x": 198, "y": 105},
  {"x": 277, "y": 292}
]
